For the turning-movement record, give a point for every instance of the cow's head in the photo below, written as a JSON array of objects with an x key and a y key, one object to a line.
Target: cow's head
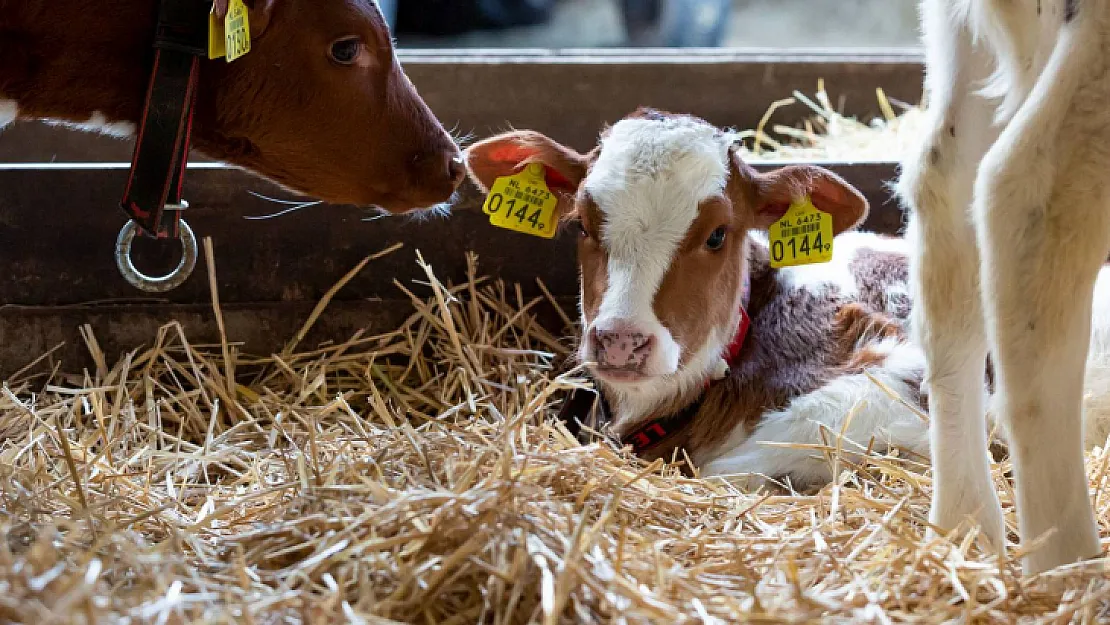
[
  {"x": 663, "y": 207},
  {"x": 321, "y": 105}
]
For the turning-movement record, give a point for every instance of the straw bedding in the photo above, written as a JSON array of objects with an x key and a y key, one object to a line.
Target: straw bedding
[{"x": 419, "y": 476}]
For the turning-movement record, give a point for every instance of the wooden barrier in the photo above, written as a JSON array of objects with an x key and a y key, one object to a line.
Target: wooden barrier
[{"x": 58, "y": 220}]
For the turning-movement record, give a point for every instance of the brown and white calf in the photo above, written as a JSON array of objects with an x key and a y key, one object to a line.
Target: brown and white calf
[
  {"x": 665, "y": 206},
  {"x": 677, "y": 288},
  {"x": 320, "y": 104},
  {"x": 1010, "y": 219}
]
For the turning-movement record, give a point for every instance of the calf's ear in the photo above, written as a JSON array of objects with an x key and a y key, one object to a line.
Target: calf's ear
[
  {"x": 775, "y": 191},
  {"x": 509, "y": 153},
  {"x": 259, "y": 13}
]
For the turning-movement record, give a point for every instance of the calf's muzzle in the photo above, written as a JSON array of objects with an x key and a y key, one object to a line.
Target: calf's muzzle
[{"x": 622, "y": 346}]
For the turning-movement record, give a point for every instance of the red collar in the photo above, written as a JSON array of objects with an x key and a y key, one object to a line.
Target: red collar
[{"x": 732, "y": 352}]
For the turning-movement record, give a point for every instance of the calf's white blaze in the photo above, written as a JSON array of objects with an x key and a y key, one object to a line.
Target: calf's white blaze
[{"x": 648, "y": 181}]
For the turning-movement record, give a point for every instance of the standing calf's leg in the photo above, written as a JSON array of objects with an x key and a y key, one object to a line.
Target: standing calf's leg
[
  {"x": 937, "y": 184},
  {"x": 1042, "y": 224}
]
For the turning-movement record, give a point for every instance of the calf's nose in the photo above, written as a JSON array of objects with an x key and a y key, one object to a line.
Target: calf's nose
[
  {"x": 622, "y": 347},
  {"x": 442, "y": 168}
]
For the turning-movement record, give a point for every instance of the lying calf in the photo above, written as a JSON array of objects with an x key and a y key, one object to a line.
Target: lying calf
[{"x": 696, "y": 342}]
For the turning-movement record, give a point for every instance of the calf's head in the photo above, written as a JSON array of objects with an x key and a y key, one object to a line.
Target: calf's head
[
  {"x": 662, "y": 206},
  {"x": 321, "y": 105}
]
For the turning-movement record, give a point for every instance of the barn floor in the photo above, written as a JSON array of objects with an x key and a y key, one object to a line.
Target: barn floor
[{"x": 419, "y": 477}]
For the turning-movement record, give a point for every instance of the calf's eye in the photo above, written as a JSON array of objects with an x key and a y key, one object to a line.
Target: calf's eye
[
  {"x": 345, "y": 51},
  {"x": 582, "y": 232},
  {"x": 716, "y": 239}
]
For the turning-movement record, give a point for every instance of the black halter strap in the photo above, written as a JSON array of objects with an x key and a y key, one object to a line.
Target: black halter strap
[
  {"x": 578, "y": 410},
  {"x": 152, "y": 198}
]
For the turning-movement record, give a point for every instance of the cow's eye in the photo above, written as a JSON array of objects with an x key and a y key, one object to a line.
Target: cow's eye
[
  {"x": 716, "y": 239},
  {"x": 582, "y": 232},
  {"x": 345, "y": 51}
]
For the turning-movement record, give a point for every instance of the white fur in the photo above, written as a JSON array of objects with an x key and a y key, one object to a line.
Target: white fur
[
  {"x": 837, "y": 272},
  {"x": 648, "y": 181},
  {"x": 9, "y": 110},
  {"x": 1012, "y": 223},
  {"x": 874, "y": 415},
  {"x": 99, "y": 123},
  {"x": 1096, "y": 384}
]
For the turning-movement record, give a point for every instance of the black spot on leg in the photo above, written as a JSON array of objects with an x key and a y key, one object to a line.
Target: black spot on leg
[
  {"x": 1071, "y": 8},
  {"x": 934, "y": 156},
  {"x": 952, "y": 130},
  {"x": 1038, "y": 7}
]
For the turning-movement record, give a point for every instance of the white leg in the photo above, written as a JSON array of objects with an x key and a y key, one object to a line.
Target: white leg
[
  {"x": 1043, "y": 225},
  {"x": 937, "y": 182}
]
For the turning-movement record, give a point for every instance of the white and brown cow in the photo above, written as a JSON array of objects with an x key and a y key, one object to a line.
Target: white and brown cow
[
  {"x": 1010, "y": 215},
  {"x": 695, "y": 340}
]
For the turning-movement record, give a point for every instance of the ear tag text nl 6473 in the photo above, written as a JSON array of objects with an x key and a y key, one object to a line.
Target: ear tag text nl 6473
[
  {"x": 230, "y": 37},
  {"x": 523, "y": 203},
  {"x": 803, "y": 236}
]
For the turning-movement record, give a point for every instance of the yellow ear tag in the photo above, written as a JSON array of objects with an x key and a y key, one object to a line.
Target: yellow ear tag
[
  {"x": 523, "y": 203},
  {"x": 803, "y": 236},
  {"x": 216, "y": 46},
  {"x": 237, "y": 31}
]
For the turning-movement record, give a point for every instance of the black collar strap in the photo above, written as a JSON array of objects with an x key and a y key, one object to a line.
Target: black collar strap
[
  {"x": 152, "y": 197},
  {"x": 652, "y": 434},
  {"x": 578, "y": 408},
  {"x": 581, "y": 403}
]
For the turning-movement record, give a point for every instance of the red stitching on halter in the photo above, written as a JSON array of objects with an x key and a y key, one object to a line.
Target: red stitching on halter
[{"x": 157, "y": 174}]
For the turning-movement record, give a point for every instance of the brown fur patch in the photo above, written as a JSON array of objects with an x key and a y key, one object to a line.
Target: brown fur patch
[
  {"x": 691, "y": 308},
  {"x": 799, "y": 341}
]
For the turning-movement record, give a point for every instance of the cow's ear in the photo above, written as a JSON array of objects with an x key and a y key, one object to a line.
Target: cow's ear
[
  {"x": 508, "y": 153},
  {"x": 775, "y": 191},
  {"x": 259, "y": 13}
]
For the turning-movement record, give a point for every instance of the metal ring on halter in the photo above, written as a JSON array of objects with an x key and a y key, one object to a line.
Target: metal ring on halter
[{"x": 166, "y": 283}]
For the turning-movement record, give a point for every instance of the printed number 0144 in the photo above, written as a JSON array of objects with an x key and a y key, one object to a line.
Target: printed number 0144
[{"x": 520, "y": 211}]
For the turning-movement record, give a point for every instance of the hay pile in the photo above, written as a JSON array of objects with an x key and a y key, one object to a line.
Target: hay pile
[
  {"x": 831, "y": 135},
  {"x": 419, "y": 476}
]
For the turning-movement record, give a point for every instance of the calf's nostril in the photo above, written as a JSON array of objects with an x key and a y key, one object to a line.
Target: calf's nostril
[{"x": 456, "y": 169}]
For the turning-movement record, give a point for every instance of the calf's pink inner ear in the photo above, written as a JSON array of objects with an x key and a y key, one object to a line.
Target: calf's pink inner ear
[
  {"x": 508, "y": 154},
  {"x": 830, "y": 193}
]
